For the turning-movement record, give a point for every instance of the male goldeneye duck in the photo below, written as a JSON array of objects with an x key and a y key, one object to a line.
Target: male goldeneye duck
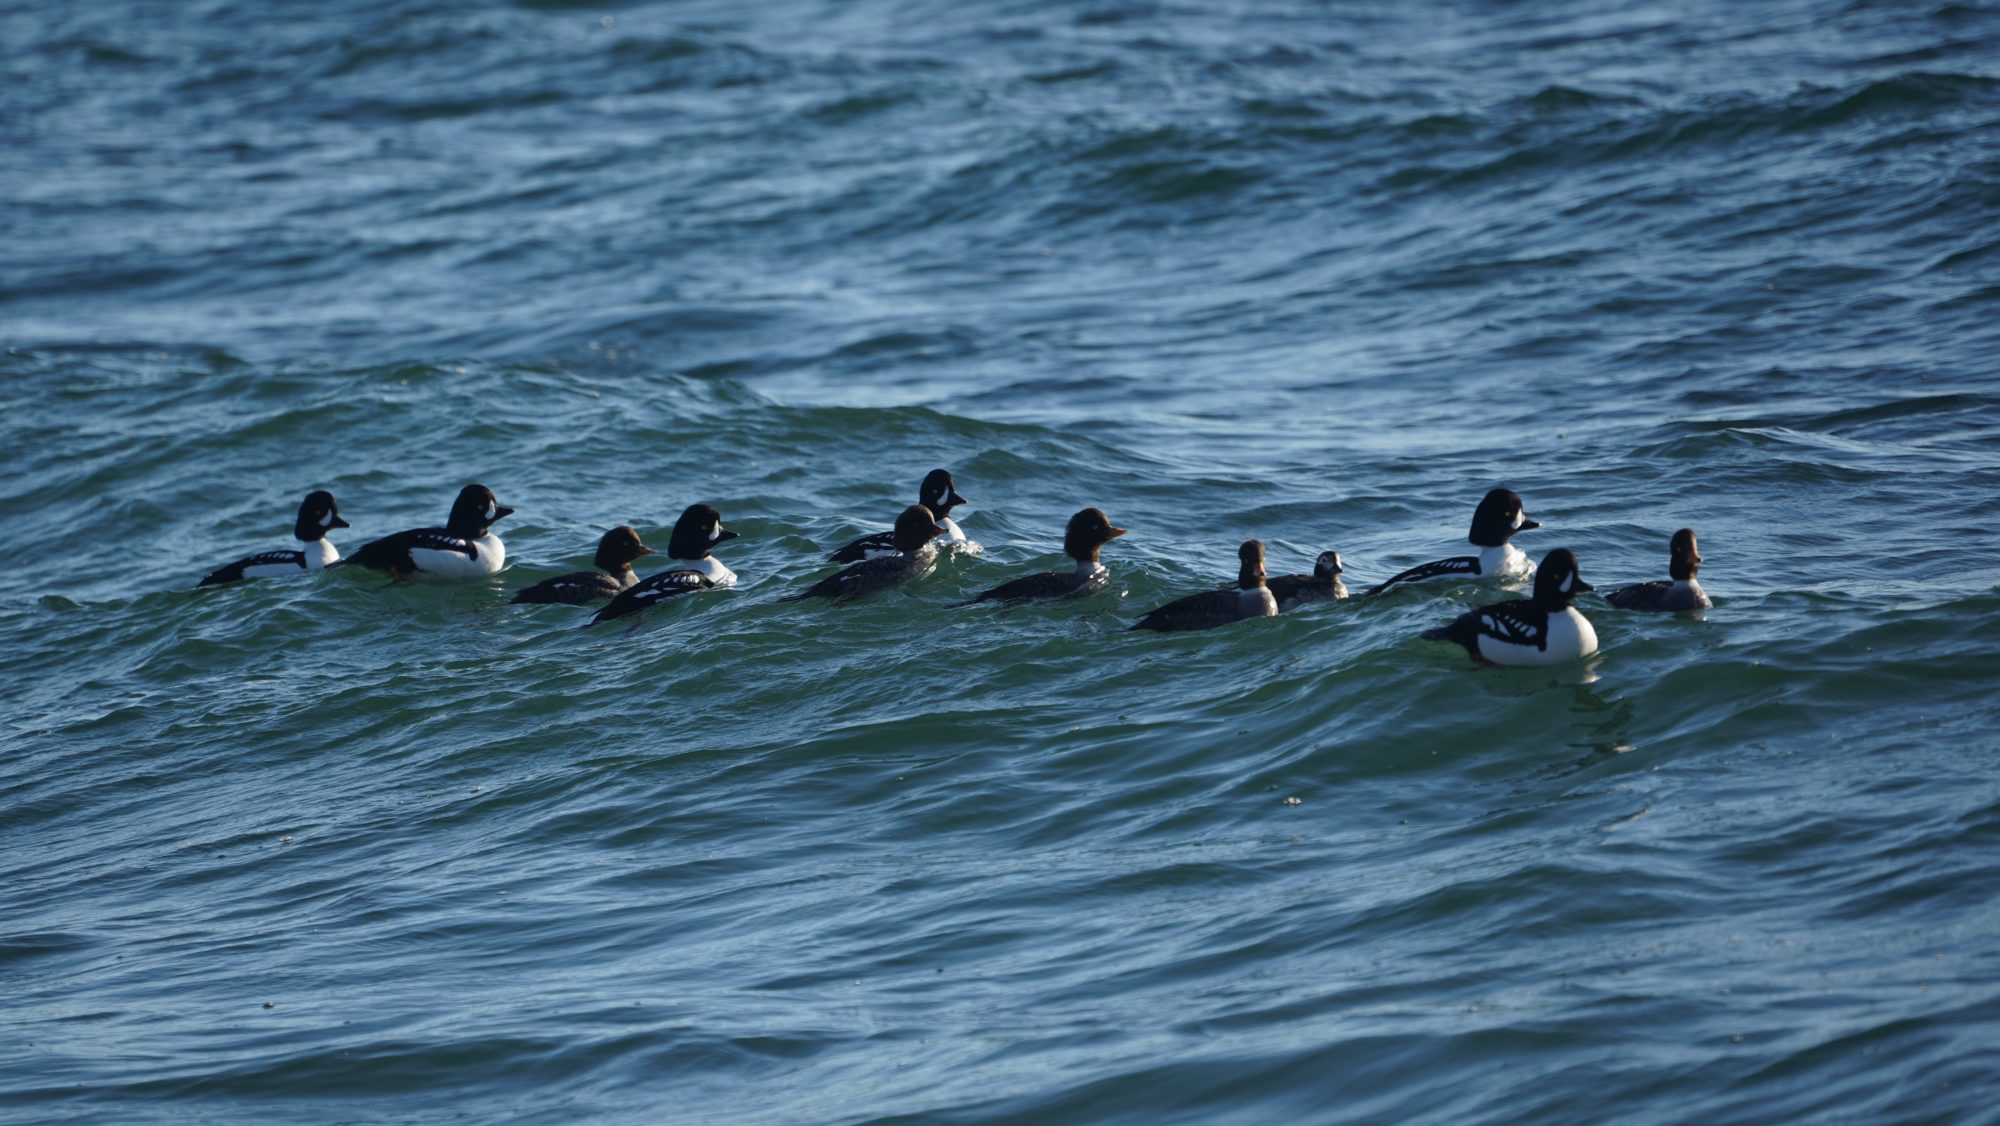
[
  {"x": 1682, "y": 593},
  {"x": 916, "y": 529},
  {"x": 465, "y": 548},
  {"x": 615, "y": 553},
  {"x": 1323, "y": 585},
  {"x": 939, "y": 494},
  {"x": 318, "y": 514},
  {"x": 1543, "y": 630},
  {"x": 1088, "y": 531},
  {"x": 1498, "y": 516},
  {"x": 697, "y": 532},
  {"x": 1250, "y": 598}
]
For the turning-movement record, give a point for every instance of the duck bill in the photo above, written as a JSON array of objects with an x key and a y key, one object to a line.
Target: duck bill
[
  {"x": 500, "y": 512},
  {"x": 1528, "y": 525},
  {"x": 726, "y": 534},
  {"x": 1116, "y": 532}
]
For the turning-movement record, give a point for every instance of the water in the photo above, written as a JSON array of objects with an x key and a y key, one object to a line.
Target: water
[{"x": 325, "y": 851}]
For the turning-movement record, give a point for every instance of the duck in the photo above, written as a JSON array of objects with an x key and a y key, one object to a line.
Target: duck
[
  {"x": 1682, "y": 592},
  {"x": 916, "y": 529},
  {"x": 319, "y": 514},
  {"x": 465, "y": 548},
  {"x": 1323, "y": 585},
  {"x": 1543, "y": 630},
  {"x": 698, "y": 532},
  {"x": 1083, "y": 537},
  {"x": 1497, "y": 518},
  {"x": 616, "y": 552},
  {"x": 1250, "y": 598},
  {"x": 939, "y": 493}
]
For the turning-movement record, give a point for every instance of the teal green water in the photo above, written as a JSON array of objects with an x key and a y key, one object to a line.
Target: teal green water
[
  {"x": 331, "y": 850},
  {"x": 892, "y": 859}
]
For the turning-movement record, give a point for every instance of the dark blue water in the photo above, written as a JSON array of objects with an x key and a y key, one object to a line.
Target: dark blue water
[{"x": 319, "y": 850}]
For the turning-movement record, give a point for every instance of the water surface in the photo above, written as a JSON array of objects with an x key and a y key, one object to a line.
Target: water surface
[{"x": 323, "y": 850}]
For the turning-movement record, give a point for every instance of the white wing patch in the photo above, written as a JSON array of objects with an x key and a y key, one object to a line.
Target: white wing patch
[
  {"x": 676, "y": 582},
  {"x": 1508, "y": 623}
]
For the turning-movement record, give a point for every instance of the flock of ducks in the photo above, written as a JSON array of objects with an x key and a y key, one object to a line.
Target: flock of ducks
[{"x": 1543, "y": 629}]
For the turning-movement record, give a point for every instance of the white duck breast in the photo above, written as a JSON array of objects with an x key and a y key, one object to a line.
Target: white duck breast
[
  {"x": 709, "y": 568},
  {"x": 445, "y": 557},
  {"x": 1505, "y": 562},
  {"x": 1511, "y": 638},
  {"x": 1257, "y": 602},
  {"x": 319, "y": 554},
  {"x": 1687, "y": 594}
]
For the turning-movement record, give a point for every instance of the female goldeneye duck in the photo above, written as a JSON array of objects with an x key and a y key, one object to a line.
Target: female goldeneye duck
[
  {"x": 916, "y": 529},
  {"x": 318, "y": 515},
  {"x": 1250, "y": 598},
  {"x": 1087, "y": 532},
  {"x": 465, "y": 548},
  {"x": 615, "y": 555},
  {"x": 1543, "y": 630},
  {"x": 939, "y": 494},
  {"x": 697, "y": 532},
  {"x": 1498, "y": 517},
  {"x": 1682, "y": 593},
  {"x": 1323, "y": 585}
]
